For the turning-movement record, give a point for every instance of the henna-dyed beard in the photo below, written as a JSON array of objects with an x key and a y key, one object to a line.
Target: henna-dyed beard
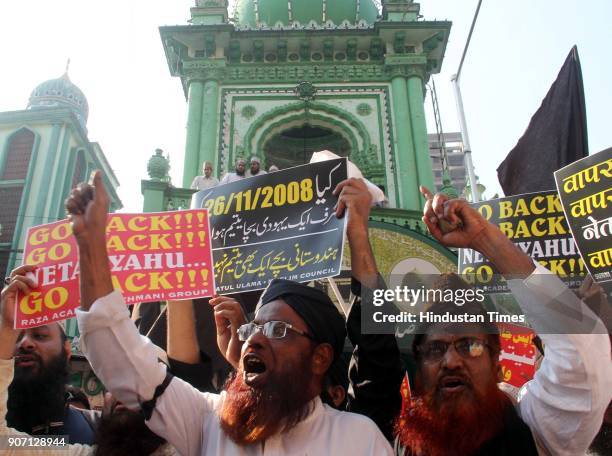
[
  {"x": 250, "y": 415},
  {"x": 434, "y": 426}
]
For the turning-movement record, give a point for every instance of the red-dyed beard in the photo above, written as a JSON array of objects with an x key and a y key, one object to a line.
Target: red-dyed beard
[
  {"x": 249, "y": 415},
  {"x": 457, "y": 426}
]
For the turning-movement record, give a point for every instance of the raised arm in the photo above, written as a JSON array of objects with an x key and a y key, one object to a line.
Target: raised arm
[
  {"x": 375, "y": 371},
  {"x": 182, "y": 339},
  {"x": 125, "y": 361},
  {"x": 565, "y": 402}
]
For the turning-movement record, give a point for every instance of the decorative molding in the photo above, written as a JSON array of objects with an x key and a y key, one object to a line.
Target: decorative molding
[
  {"x": 362, "y": 24},
  {"x": 203, "y": 69},
  {"x": 232, "y": 139},
  {"x": 284, "y": 73},
  {"x": 248, "y": 112},
  {"x": 404, "y": 59},
  {"x": 364, "y": 109},
  {"x": 305, "y": 91}
]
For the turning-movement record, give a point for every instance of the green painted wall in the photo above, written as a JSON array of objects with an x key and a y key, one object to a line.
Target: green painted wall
[
  {"x": 403, "y": 147},
  {"x": 419, "y": 133},
  {"x": 194, "y": 125},
  {"x": 210, "y": 124}
]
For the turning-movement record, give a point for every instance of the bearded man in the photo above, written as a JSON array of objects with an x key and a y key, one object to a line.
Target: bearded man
[
  {"x": 37, "y": 400},
  {"x": 458, "y": 410},
  {"x": 272, "y": 405},
  {"x": 238, "y": 174},
  {"x": 255, "y": 167}
]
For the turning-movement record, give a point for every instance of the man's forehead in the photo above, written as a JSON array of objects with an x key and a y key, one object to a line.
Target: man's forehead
[
  {"x": 279, "y": 310},
  {"x": 45, "y": 328}
]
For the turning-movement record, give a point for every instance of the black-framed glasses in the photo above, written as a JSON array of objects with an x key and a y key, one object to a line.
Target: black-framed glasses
[
  {"x": 270, "y": 329},
  {"x": 467, "y": 347}
]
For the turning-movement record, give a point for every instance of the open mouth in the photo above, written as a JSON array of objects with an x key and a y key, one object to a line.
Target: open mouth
[
  {"x": 451, "y": 384},
  {"x": 26, "y": 360},
  {"x": 254, "y": 369}
]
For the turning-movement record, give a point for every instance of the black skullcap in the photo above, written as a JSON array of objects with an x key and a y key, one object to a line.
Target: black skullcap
[{"x": 315, "y": 307}]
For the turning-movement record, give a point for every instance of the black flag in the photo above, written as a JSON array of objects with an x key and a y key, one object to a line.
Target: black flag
[{"x": 556, "y": 135}]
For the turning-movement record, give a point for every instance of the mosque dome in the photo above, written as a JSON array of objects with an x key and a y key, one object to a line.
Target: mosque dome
[
  {"x": 60, "y": 92},
  {"x": 254, "y": 12}
]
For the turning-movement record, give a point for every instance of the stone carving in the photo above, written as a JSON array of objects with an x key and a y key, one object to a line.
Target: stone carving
[
  {"x": 158, "y": 167},
  {"x": 364, "y": 109},
  {"x": 248, "y": 112},
  {"x": 305, "y": 91}
]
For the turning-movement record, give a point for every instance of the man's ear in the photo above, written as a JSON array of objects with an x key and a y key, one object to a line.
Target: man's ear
[
  {"x": 322, "y": 358},
  {"x": 338, "y": 394}
]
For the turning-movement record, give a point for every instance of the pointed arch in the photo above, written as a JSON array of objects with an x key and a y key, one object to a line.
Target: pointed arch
[
  {"x": 18, "y": 154},
  {"x": 318, "y": 113}
]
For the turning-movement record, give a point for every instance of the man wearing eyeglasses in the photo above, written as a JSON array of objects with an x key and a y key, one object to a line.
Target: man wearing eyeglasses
[
  {"x": 272, "y": 405},
  {"x": 458, "y": 409}
]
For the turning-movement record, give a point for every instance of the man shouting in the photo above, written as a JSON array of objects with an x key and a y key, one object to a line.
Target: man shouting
[
  {"x": 459, "y": 410},
  {"x": 272, "y": 406}
]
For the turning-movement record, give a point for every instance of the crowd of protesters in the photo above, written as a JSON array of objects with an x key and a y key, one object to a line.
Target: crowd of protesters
[{"x": 291, "y": 390}]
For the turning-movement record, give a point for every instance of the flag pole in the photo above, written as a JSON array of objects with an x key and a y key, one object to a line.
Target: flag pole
[{"x": 467, "y": 150}]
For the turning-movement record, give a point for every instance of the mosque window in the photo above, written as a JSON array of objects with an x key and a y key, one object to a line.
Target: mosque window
[
  {"x": 11, "y": 199},
  {"x": 18, "y": 155}
]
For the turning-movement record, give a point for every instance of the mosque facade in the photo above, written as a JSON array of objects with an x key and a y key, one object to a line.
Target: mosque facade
[{"x": 280, "y": 79}]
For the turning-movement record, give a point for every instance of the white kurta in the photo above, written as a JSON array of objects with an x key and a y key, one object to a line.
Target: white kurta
[
  {"x": 203, "y": 182},
  {"x": 564, "y": 403},
  {"x": 127, "y": 364},
  {"x": 231, "y": 177}
]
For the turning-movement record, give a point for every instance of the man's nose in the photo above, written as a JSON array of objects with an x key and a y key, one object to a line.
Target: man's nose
[
  {"x": 26, "y": 343},
  {"x": 257, "y": 338},
  {"x": 452, "y": 359}
]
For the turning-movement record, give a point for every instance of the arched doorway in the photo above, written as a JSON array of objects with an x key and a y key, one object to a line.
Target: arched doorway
[{"x": 294, "y": 145}]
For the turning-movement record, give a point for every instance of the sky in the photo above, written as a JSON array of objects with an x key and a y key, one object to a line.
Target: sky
[{"x": 135, "y": 106}]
